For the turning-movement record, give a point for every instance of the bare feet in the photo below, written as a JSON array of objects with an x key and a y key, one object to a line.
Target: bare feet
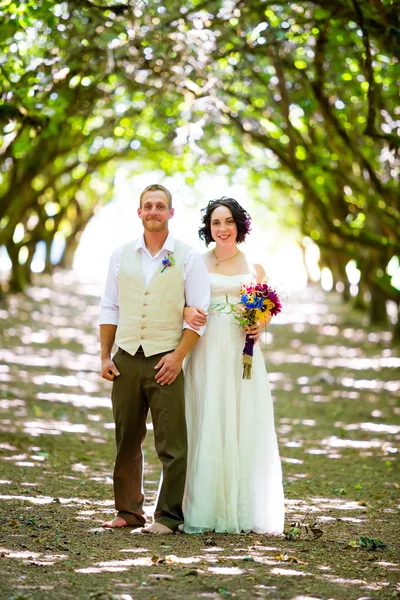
[
  {"x": 157, "y": 529},
  {"x": 116, "y": 522}
]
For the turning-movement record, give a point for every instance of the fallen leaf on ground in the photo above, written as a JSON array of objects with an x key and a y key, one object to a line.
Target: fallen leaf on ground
[{"x": 290, "y": 559}]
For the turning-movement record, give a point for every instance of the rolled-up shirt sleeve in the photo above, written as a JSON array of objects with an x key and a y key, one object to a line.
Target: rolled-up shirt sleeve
[
  {"x": 109, "y": 306},
  {"x": 197, "y": 285}
]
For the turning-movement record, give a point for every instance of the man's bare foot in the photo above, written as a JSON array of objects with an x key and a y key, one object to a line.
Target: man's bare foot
[
  {"x": 115, "y": 523},
  {"x": 157, "y": 529}
]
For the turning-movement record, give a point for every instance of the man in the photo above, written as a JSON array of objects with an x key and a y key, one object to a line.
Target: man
[{"x": 150, "y": 280}]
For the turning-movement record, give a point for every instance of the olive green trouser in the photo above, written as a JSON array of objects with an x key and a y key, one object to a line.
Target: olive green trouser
[{"x": 134, "y": 391}]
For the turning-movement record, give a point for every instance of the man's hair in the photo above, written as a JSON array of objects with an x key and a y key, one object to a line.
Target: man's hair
[{"x": 154, "y": 187}]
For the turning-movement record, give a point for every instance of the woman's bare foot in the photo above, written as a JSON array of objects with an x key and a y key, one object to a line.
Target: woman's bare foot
[
  {"x": 157, "y": 529},
  {"x": 116, "y": 522}
]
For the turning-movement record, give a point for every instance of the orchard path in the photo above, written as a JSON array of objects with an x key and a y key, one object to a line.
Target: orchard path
[{"x": 336, "y": 385}]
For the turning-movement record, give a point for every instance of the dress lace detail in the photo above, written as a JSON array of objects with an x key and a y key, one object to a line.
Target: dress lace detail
[{"x": 234, "y": 478}]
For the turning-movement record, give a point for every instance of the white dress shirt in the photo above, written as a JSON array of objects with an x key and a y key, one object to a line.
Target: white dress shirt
[{"x": 196, "y": 280}]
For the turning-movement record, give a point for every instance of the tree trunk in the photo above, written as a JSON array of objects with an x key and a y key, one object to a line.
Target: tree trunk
[
  {"x": 32, "y": 250},
  {"x": 20, "y": 274},
  {"x": 346, "y": 296},
  {"x": 72, "y": 243},
  {"x": 359, "y": 301},
  {"x": 396, "y": 328},
  {"x": 67, "y": 259},
  {"x": 48, "y": 268},
  {"x": 377, "y": 309}
]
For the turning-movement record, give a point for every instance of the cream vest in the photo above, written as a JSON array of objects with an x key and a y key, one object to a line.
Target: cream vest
[{"x": 150, "y": 316}]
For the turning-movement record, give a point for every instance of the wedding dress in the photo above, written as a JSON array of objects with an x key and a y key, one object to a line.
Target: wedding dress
[{"x": 234, "y": 476}]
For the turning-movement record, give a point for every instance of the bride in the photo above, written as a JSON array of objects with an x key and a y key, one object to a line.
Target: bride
[{"x": 234, "y": 476}]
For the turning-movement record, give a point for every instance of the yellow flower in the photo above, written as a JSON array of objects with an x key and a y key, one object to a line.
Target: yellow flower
[{"x": 268, "y": 304}]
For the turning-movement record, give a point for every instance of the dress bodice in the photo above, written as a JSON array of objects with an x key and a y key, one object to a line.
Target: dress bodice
[{"x": 227, "y": 285}]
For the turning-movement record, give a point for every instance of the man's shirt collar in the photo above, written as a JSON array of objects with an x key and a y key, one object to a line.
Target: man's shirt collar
[{"x": 169, "y": 244}]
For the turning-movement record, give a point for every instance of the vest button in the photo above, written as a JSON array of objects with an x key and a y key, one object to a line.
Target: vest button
[
  {"x": 145, "y": 304},
  {"x": 146, "y": 293},
  {"x": 143, "y": 316},
  {"x": 143, "y": 327}
]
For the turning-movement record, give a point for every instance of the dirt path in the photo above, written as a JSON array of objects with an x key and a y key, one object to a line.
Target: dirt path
[{"x": 335, "y": 383}]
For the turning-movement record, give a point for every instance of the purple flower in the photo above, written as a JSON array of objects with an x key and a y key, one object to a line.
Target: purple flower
[
  {"x": 168, "y": 261},
  {"x": 273, "y": 297}
]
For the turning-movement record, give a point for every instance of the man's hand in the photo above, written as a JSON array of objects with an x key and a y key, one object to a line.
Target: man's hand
[
  {"x": 170, "y": 366},
  {"x": 108, "y": 369}
]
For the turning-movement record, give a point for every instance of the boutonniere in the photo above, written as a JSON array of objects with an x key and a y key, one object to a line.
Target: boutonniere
[{"x": 168, "y": 261}]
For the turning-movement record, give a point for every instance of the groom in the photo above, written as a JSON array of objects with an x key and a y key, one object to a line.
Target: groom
[{"x": 150, "y": 280}]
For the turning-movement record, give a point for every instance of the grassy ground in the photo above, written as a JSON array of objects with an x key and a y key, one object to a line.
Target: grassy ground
[{"x": 335, "y": 383}]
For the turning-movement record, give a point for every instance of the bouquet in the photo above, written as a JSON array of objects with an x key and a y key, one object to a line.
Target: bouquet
[{"x": 255, "y": 299}]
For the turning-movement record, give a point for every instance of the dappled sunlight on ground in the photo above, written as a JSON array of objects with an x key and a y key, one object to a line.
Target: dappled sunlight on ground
[
  {"x": 50, "y": 500},
  {"x": 335, "y": 385},
  {"x": 46, "y": 559}
]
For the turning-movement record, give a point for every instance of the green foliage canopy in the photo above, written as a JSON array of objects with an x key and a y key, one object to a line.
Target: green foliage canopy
[{"x": 303, "y": 94}]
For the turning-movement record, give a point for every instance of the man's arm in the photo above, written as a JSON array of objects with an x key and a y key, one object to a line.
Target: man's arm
[
  {"x": 107, "y": 337},
  {"x": 171, "y": 364},
  {"x": 109, "y": 306},
  {"x": 109, "y": 314}
]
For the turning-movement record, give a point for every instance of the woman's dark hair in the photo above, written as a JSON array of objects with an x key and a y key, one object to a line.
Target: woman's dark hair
[{"x": 240, "y": 216}]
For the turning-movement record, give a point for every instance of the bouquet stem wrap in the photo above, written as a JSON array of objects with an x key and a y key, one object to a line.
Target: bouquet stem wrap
[{"x": 248, "y": 357}]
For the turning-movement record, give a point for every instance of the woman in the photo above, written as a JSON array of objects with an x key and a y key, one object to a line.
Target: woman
[{"x": 234, "y": 477}]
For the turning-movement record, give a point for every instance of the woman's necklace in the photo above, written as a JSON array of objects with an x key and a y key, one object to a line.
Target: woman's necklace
[{"x": 223, "y": 259}]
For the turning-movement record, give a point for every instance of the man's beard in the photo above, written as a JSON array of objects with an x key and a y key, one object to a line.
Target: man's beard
[{"x": 154, "y": 225}]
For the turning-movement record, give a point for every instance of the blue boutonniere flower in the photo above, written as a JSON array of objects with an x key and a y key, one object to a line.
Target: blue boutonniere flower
[{"x": 168, "y": 261}]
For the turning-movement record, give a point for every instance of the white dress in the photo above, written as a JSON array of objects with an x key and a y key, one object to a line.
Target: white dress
[{"x": 234, "y": 477}]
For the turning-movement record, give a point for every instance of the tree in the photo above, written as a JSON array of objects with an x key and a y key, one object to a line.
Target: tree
[
  {"x": 80, "y": 90},
  {"x": 305, "y": 94},
  {"x": 300, "y": 93}
]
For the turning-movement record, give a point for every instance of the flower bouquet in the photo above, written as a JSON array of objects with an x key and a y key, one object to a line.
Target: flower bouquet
[{"x": 255, "y": 299}]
